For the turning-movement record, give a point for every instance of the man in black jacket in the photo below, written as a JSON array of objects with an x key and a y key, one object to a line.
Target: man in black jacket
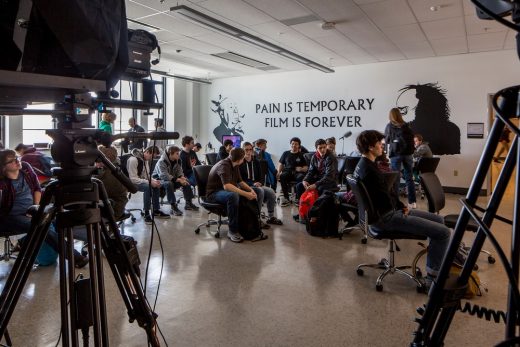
[{"x": 323, "y": 170}]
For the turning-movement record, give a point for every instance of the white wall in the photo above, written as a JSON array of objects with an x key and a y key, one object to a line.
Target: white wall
[{"x": 467, "y": 79}]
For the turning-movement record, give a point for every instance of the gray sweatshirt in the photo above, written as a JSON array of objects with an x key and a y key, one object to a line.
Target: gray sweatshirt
[{"x": 167, "y": 170}]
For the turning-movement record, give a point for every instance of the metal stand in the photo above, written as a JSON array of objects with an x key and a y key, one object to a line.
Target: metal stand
[
  {"x": 448, "y": 290},
  {"x": 76, "y": 197}
]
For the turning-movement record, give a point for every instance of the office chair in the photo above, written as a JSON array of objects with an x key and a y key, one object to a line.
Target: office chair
[
  {"x": 201, "y": 176},
  {"x": 437, "y": 200},
  {"x": 342, "y": 165},
  {"x": 368, "y": 216},
  {"x": 211, "y": 158},
  {"x": 424, "y": 165},
  {"x": 308, "y": 157}
]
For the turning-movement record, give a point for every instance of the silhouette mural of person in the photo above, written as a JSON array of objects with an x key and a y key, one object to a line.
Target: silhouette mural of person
[{"x": 224, "y": 128}]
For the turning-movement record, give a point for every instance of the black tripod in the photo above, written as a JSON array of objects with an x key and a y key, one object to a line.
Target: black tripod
[
  {"x": 448, "y": 290},
  {"x": 73, "y": 199}
]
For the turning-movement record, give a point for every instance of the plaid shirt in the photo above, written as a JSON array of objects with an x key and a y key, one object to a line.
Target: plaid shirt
[{"x": 8, "y": 192}]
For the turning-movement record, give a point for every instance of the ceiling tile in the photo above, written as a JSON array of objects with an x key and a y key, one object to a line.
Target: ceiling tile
[
  {"x": 362, "y": 32},
  {"x": 405, "y": 33},
  {"x": 486, "y": 42},
  {"x": 236, "y": 11},
  {"x": 135, "y": 10},
  {"x": 175, "y": 25},
  {"x": 476, "y": 26},
  {"x": 312, "y": 29},
  {"x": 389, "y": 13},
  {"x": 167, "y": 36},
  {"x": 196, "y": 45},
  {"x": 280, "y": 9},
  {"x": 161, "y": 6},
  {"x": 334, "y": 10},
  {"x": 446, "y": 28},
  {"x": 415, "y": 50},
  {"x": 448, "y": 9},
  {"x": 450, "y": 45}
]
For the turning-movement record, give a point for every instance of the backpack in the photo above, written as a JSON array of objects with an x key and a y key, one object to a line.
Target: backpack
[
  {"x": 400, "y": 140},
  {"x": 306, "y": 201},
  {"x": 248, "y": 219},
  {"x": 124, "y": 163},
  {"x": 323, "y": 217}
]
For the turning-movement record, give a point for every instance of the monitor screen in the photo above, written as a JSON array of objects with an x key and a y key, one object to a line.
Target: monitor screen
[{"x": 235, "y": 138}]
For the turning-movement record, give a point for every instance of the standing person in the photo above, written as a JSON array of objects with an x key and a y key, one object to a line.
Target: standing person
[
  {"x": 223, "y": 151},
  {"x": 138, "y": 167},
  {"x": 136, "y": 128},
  {"x": 107, "y": 119},
  {"x": 20, "y": 190},
  {"x": 189, "y": 159},
  {"x": 291, "y": 167},
  {"x": 225, "y": 186},
  {"x": 399, "y": 139},
  {"x": 262, "y": 155},
  {"x": 393, "y": 215},
  {"x": 159, "y": 127},
  {"x": 168, "y": 170},
  {"x": 422, "y": 149},
  {"x": 251, "y": 174}
]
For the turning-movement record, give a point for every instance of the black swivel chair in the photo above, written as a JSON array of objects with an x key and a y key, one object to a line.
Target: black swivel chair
[
  {"x": 342, "y": 161},
  {"x": 211, "y": 158},
  {"x": 367, "y": 216},
  {"x": 350, "y": 164},
  {"x": 437, "y": 200},
  {"x": 424, "y": 165},
  {"x": 201, "y": 176},
  {"x": 308, "y": 157}
]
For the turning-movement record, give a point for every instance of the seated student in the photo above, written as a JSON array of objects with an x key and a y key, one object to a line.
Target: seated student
[
  {"x": 291, "y": 167},
  {"x": 40, "y": 162},
  {"x": 116, "y": 191},
  {"x": 322, "y": 173},
  {"x": 138, "y": 167},
  {"x": 422, "y": 149},
  {"x": 225, "y": 186},
  {"x": 188, "y": 160},
  {"x": 251, "y": 174},
  {"x": 393, "y": 215},
  {"x": 20, "y": 190},
  {"x": 331, "y": 145},
  {"x": 223, "y": 151},
  {"x": 262, "y": 155},
  {"x": 168, "y": 170}
]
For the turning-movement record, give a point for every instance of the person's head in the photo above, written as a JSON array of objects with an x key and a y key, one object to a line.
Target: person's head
[
  {"x": 321, "y": 146},
  {"x": 417, "y": 140},
  {"x": 237, "y": 155},
  {"x": 159, "y": 122},
  {"x": 395, "y": 116},
  {"x": 369, "y": 143},
  {"x": 150, "y": 152},
  {"x": 296, "y": 143},
  {"x": 331, "y": 144},
  {"x": 187, "y": 142},
  {"x": 109, "y": 117},
  {"x": 173, "y": 153},
  {"x": 248, "y": 149},
  {"x": 21, "y": 148},
  {"x": 228, "y": 145},
  {"x": 131, "y": 122},
  {"x": 109, "y": 152},
  {"x": 197, "y": 147},
  {"x": 261, "y": 144},
  {"x": 9, "y": 162}
]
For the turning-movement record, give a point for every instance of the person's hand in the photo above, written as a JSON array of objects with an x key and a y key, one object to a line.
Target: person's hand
[
  {"x": 305, "y": 184},
  {"x": 251, "y": 195},
  {"x": 406, "y": 210},
  {"x": 156, "y": 183},
  {"x": 193, "y": 162},
  {"x": 257, "y": 184},
  {"x": 278, "y": 176}
]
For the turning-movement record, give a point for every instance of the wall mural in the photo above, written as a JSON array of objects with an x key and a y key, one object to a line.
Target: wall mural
[
  {"x": 432, "y": 116},
  {"x": 227, "y": 127}
]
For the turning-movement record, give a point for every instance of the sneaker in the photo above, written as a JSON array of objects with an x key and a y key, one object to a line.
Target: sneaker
[
  {"x": 175, "y": 211},
  {"x": 148, "y": 219},
  {"x": 80, "y": 261},
  {"x": 191, "y": 206},
  {"x": 235, "y": 237},
  {"x": 285, "y": 202},
  {"x": 260, "y": 237},
  {"x": 264, "y": 225},
  {"x": 427, "y": 283},
  {"x": 273, "y": 220},
  {"x": 412, "y": 206},
  {"x": 160, "y": 214},
  {"x": 460, "y": 257}
]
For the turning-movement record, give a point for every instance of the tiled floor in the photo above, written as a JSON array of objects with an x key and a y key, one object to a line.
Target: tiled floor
[{"x": 290, "y": 290}]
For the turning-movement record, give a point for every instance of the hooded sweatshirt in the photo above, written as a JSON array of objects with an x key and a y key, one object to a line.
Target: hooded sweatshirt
[
  {"x": 166, "y": 170},
  {"x": 131, "y": 166}
]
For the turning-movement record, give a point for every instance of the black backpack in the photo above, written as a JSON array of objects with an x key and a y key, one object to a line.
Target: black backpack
[
  {"x": 248, "y": 219},
  {"x": 323, "y": 217},
  {"x": 401, "y": 140},
  {"x": 124, "y": 162}
]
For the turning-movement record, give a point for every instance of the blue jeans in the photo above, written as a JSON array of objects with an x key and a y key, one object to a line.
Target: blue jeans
[
  {"x": 421, "y": 223},
  {"x": 169, "y": 187},
  {"x": 230, "y": 200},
  {"x": 147, "y": 190},
  {"x": 406, "y": 161}
]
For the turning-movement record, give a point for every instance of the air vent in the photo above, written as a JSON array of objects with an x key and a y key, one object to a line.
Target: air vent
[
  {"x": 240, "y": 59},
  {"x": 300, "y": 20}
]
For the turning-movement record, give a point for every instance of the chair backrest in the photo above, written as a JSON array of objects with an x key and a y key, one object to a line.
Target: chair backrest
[
  {"x": 350, "y": 164},
  {"x": 427, "y": 164},
  {"x": 367, "y": 213},
  {"x": 201, "y": 173},
  {"x": 308, "y": 157},
  {"x": 211, "y": 158},
  {"x": 433, "y": 190},
  {"x": 341, "y": 169}
]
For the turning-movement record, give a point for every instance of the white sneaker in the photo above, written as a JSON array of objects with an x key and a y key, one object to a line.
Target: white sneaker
[{"x": 411, "y": 206}]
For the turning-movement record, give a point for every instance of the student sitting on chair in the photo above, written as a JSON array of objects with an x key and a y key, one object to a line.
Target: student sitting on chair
[
  {"x": 168, "y": 170},
  {"x": 138, "y": 167},
  {"x": 251, "y": 174},
  {"x": 224, "y": 150},
  {"x": 188, "y": 160},
  {"x": 393, "y": 215},
  {"x": 291, "y": 167}
]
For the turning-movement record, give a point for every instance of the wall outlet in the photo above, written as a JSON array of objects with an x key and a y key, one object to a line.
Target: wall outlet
[{"x": 455, "y": 172}]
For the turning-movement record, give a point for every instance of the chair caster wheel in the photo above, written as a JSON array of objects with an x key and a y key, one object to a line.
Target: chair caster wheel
[
  {"x": 491, "y": 260},
  {"x": 382, "y": 262},
  {"x": 197, "y": 230},
  {"x": 418, "y": 273},
  {"x": 379, "y": 287},
  {"x": 133, "y": 219},
  {"x": 217, "y": 235},
  {"x": 360, "y": 272},
  {"x": 364, "y": 241}
]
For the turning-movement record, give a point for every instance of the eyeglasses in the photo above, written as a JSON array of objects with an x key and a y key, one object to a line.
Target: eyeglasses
[
  {"x": 248, "y": 149},
  {"x": 12, "y": 161}
]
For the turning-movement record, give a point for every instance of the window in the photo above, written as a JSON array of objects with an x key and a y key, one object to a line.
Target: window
[{"x": 33, "y": 127}]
